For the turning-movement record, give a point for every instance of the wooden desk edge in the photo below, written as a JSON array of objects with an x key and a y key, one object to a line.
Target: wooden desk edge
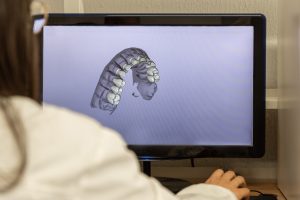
[{"x": 267, "y": 188}]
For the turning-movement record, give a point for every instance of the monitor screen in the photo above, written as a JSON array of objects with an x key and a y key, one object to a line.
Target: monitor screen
[{"x": 155, "y": 85}]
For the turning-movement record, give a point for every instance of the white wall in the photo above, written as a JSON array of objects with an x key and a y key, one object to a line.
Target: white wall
[
  {"x": 289, "y": 112},
  {"x": 55, "y": 5}
]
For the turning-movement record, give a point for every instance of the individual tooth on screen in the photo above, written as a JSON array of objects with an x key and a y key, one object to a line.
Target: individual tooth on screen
[
  {"x": 118, "y": 82},
  {"x": 156, "y": 77},
  {"x": 152, "y": 64},
  {"x": 150, "y": 71},
  {"x": 151, "y": 79},
  {"x": 111, "y": 97},
  {"x": 134, "y": 61},
  {"x": 142, "y": 59},
  {"x": 147, "y": 65},
  {"x": 115, "y": 89},
  {"x": 126, "y": 67},
  {"x": 117, "y": 71},
  {"x": 117, "y": 98},
  {"x": 121, "y": 73}
]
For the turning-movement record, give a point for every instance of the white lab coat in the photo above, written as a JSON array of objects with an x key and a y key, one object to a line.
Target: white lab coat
[{"x": 73, "y": 157}]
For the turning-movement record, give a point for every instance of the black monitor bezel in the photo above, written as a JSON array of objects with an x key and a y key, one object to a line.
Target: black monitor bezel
[{"x": 258, "y": 21}]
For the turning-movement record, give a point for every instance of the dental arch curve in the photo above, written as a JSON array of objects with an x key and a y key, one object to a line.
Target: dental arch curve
[{"x": 107, "y": 94}]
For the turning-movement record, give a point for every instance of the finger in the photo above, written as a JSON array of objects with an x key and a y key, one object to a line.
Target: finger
[
  {"x": 215, "y": 175},
  {"x": 239, "y": 181},
  {"x": 243, "y": 193},
  {"x": 229, "y": 175}
]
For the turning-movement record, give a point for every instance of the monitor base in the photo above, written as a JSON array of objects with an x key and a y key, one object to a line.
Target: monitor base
[{"x": 173, "y": 184}]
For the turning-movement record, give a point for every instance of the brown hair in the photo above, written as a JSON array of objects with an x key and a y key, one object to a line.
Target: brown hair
[
  {"x": 17, "y": 67},
  {"x": 18, "y": 72}
]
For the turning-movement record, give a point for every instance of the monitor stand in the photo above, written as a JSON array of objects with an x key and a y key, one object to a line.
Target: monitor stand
[{"x": 173, "y": 184}]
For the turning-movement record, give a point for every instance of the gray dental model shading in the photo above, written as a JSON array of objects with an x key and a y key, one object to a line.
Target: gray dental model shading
[{"x": 108, "y": 91}]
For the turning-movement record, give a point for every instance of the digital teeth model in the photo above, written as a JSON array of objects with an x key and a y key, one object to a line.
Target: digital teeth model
[{"x": 107, "y": 94}]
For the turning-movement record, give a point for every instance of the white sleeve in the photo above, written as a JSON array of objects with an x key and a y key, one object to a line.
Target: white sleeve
[
  {"x": 206, "y": 192},
  {"x": 112, "y": 173}
]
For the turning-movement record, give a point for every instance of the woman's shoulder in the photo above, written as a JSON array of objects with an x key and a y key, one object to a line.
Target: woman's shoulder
[
  {"x": 30, "y": 109},
  {"x": 57, "y": 122},
  {"x": 62, "y": 144}
]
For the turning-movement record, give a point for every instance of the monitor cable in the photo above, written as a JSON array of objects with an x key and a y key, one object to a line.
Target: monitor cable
[{"x": 192, "y": 162}]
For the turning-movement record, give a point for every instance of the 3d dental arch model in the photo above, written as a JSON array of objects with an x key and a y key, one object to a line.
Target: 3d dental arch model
[{"x": 107, "y": 94}]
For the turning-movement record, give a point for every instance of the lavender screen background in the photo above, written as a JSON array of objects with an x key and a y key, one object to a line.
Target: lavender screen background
[{"x": 204, "y": 96}]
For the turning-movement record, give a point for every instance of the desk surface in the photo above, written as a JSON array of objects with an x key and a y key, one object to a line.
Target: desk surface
[{"x": 267, "y": 188}]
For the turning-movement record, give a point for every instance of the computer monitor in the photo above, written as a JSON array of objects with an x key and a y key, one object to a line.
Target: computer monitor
[{"x": 174, "y": 86}]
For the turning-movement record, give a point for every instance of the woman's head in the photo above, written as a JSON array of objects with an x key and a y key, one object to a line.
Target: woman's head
[
  {"x": 18, "y": 65},
  {"x": 18, "y": 76}
]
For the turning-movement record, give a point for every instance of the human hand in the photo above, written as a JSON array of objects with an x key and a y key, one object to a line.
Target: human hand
[{"x": 230, "y": 181}]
